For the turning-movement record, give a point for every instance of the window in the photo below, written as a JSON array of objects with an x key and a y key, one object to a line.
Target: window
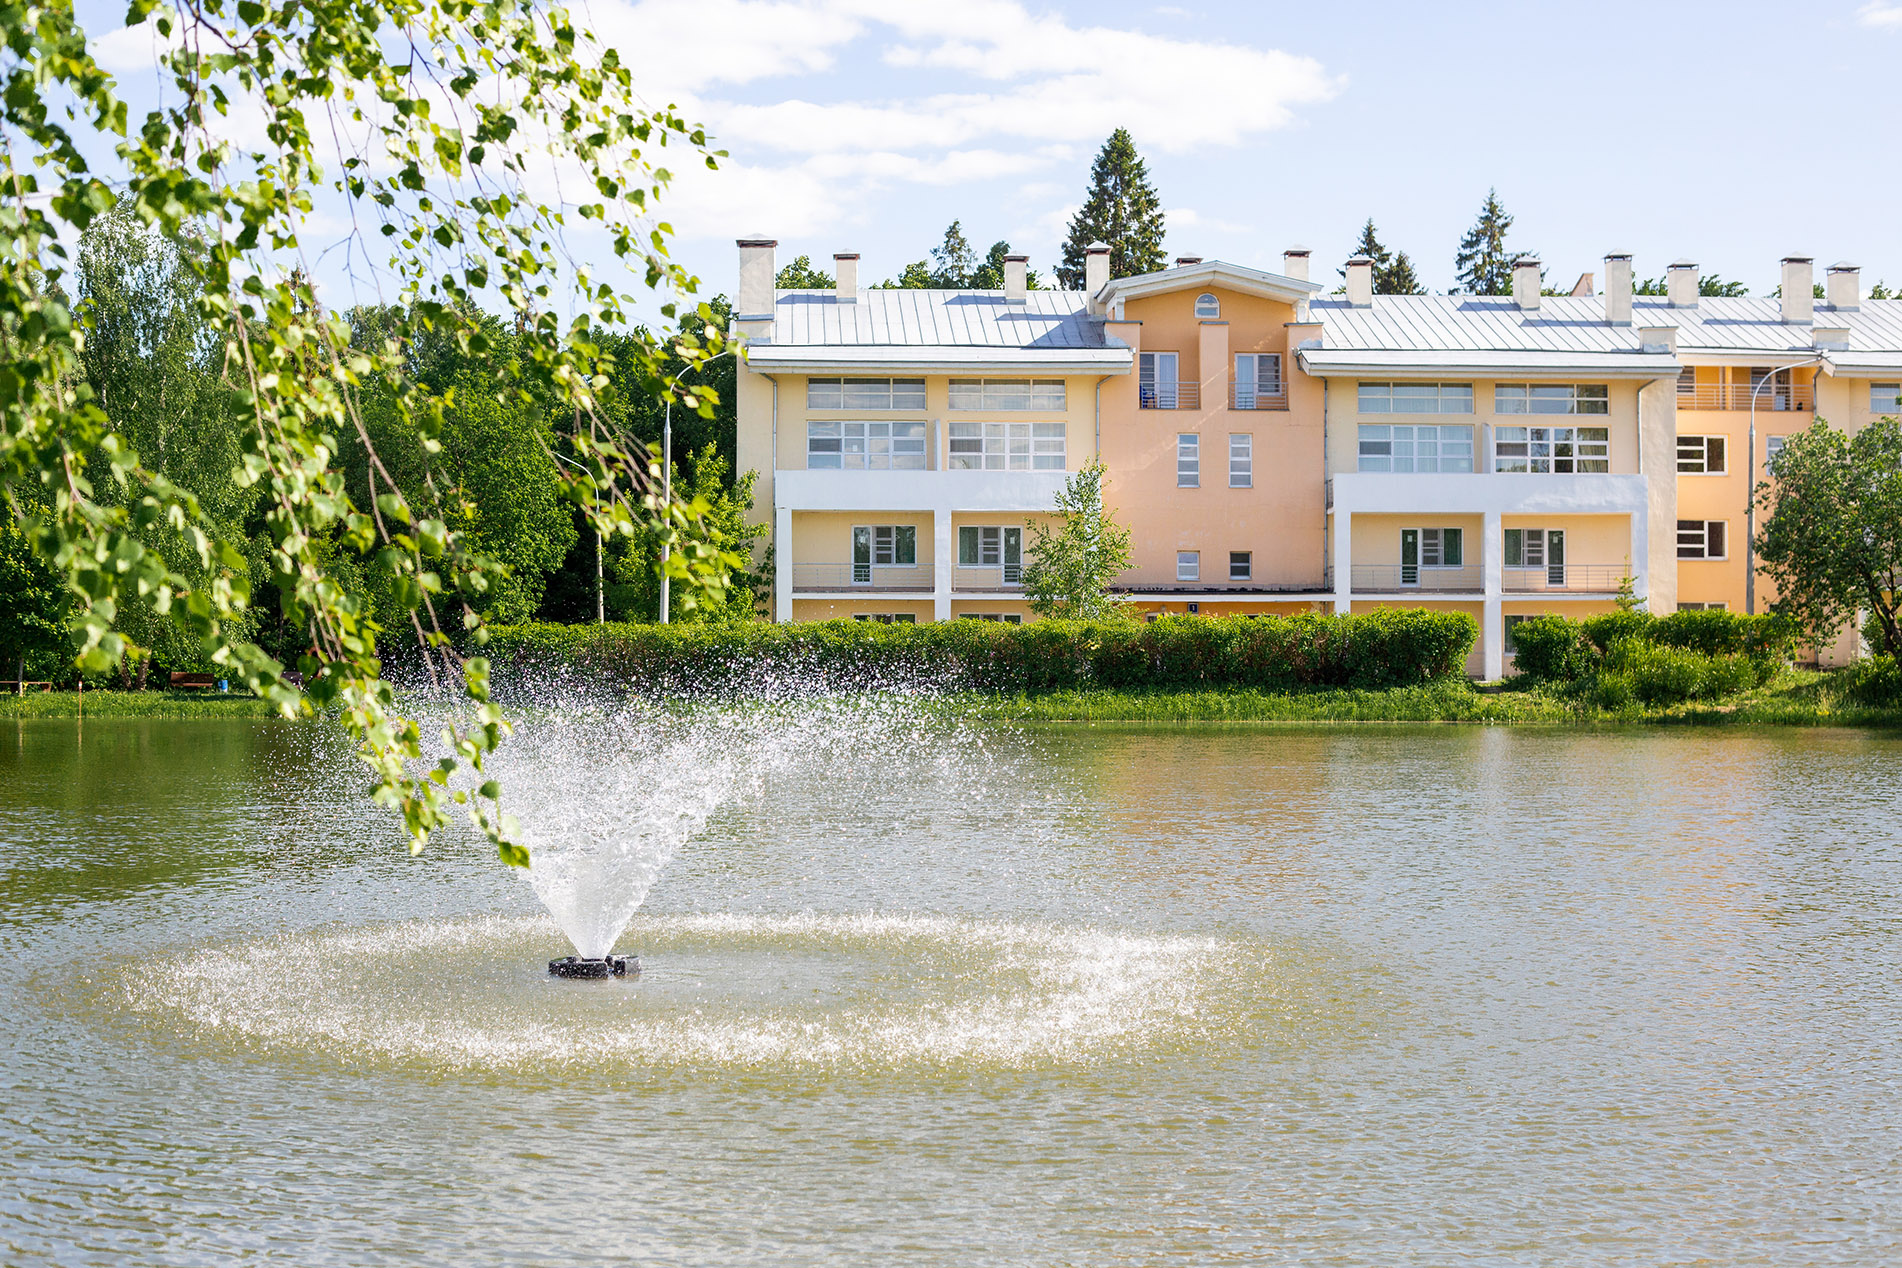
[
  {"x": 1700, "y": 539},
  {"x": 1687, "y": 381},
  {"x": 1882, "y": 397},
  {"x": 884, "y": 546},
  {"x": 1258, "y": 380},
  {"x": 1511, "y": 641},
  {"x": 1007, "y": 394},
  {"x": 1188, "y": 460},
  {"x": 887, "y": 618},
  {"x": 841, "y": 445},
  {"x": 1188, "y": 565},
  {"x": 1416, "y": 398},
  {"x": 1772, "y": 446},
  {"x": 1700, "y": 455},
  {"x": 865, "y": 393},
  {"x": 1241, "y": 460},
  {"x": 1551, "y": 398},
  {"x": 1407, "y": 448},
  {"x": 1703, "y": 607},
  {"x": 1008, "y": 618},
  {"x": 1156, "y": 380},
  {"x": 986, "y": 547},
  {"x": 1006, "y": 447},
  {"x": 1241, "y": 565},
  {"x": 1429, "y": 548},
  {"x": 1537, "y": 550},
  {"x": 1207, "y": 306},
  {"x": 1549, "y": 449}
]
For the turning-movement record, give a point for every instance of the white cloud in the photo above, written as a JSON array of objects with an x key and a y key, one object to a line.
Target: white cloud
[
  {"x": 1882, "y": 16},
  {"x": 1190, "y": 218},
  {"x": 131, "y": 49}
]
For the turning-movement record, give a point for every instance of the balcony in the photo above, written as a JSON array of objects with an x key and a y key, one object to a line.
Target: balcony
[
  {"x": 987, "y": 578},
  {"x": 1170, "y": 395},
  {"x": 868, "y": 578},
  {"x": 1414, "y": 579},
  {"x": 1243, "y": 395},
  {"x": 1565, "y": 578},
  {"x": 1772, "y": 397}
]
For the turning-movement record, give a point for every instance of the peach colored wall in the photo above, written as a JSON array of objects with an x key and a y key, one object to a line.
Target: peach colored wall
[
  {"x": 1215, "y": 606},
  {"x": 1377, "y": 537},
  {"x": 1279, "y": 520},
  {"x": 825, "y": 537},
  {"x": 832, "y": 610}
]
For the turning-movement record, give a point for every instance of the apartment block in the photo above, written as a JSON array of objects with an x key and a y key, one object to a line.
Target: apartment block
[{"x": 1275, "y": 449}]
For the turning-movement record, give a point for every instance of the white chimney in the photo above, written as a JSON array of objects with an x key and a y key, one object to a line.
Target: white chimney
[
  {"x": 845, "y": 267},
  {"x": 1527, "y": 274},
  {"x": 1829, "y": 338},
  {"x": 1618, "y": 289},
  {"x": 1360, "y": 282},
  {"x": 1844, "y": 287},
  {"x": 1096, "y": 268},
  {"x": 1680, "y": 284},
  {"x": 1294, "y": 263},
  {"x": 757, "y": 279},
  {"x": 1184, "y": 261},
  {"x": 1016, "y": 278},
  {"x": 1799, "y": 289},
  {"x": 1657, "y": 339}
]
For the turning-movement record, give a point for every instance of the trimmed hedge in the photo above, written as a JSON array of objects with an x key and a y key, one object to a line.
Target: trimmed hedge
[
  {"x": 1619, "y": 658},
  {"x": 1384, "y": 648}
]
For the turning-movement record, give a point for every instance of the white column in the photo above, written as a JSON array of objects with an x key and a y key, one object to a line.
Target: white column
[
  {"x": 1641, "y": 556},
  {"x": 1343, "y": 560},
  {"x": 1492, "y": 629},
  {"x": 944, "y": 555},
  {"x": 782, "y": 563}
]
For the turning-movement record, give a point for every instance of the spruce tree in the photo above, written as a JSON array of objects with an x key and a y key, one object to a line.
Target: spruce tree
[
  {"x": 1398, "y": 278},
  {"x": 1371, "y": 247},
  {"x": 1483, "y": 265},
  {"x": 990, "y": 274},
  {"x": 954, "y": 260},
  {"x": 1122, "y": 211}
]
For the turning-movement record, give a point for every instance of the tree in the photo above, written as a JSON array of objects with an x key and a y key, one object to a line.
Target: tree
[
  {"x": 1708, "y": 285},
  {"x": 915, "y": 276},
  {"x": 954, "y": 262},
  {"x": 990, "y": 274},
  {"x": 1880, "y": 291},
  {"x": 33, "y": 638},
  {"x": 1832, "y": 535},
  {"x": 1069, "y": 571},
  {"x": 1483, "y": 266},
  {"x": 438, "y": 154},
  {"x": 635, "y": 595},
  {"x": 801, "y": 276},
  {"x": 1393, "y": 274},
  {"x": 1121, "y": 210}
]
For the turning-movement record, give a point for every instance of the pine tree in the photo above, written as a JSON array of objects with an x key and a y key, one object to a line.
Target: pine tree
[
  {"x": 1483, "y": 266},
  {"x": 1122, "y": 211},
  {"x": 1400, "y": 279}
]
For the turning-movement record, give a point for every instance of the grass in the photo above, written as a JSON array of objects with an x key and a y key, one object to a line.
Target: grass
[{"x": 134, "y": 704}]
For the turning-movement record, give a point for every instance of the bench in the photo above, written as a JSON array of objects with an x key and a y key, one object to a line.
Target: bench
[{"x": 182, "y": 682}]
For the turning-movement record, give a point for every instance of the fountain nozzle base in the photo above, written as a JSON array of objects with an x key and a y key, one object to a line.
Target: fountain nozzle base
[{"x": 608, "y": 966}]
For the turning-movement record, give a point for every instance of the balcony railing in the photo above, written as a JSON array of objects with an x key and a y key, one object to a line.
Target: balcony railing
[
  {"x": 1251, "y": 396},
  {"x": 1171, "y": 395},
  {"x": 1576, "y": 578},
  {"x": 1770, "y": 396},
  {"x": 872, "y": 578},
  {"x": 967, "y": 578},
  {"x": 1412, "y": 578}
]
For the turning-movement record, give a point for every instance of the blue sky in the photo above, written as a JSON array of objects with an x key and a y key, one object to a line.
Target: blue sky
[{"x": 1732, "y": 134}]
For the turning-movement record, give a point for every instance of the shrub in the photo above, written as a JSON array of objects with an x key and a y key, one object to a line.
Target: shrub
[
  {"x": 1663, "y": 675},
  {"x": 1551, "y": 648},
  {"x": 1875, "y": 682},
  {"x": 1610, "y": 628}
]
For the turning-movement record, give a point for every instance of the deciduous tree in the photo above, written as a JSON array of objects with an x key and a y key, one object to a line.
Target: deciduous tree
[{"x": 1069, "y": 571}]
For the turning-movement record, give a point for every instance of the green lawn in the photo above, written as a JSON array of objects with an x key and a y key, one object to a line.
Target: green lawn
[{"x": 133, "y": 704}]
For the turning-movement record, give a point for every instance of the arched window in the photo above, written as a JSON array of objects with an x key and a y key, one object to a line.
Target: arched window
[{"x": 1206, "y": 305}]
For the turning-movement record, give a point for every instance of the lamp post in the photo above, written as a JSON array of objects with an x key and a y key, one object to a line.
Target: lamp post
[
  {"x": 600, "y": 604},
  {"x": 1750, "y": 489},
  {"x": 667, "y": 474}
]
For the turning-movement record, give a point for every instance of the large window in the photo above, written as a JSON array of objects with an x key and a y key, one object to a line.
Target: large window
[
  {"x": 1156, "y": 380},
  {"x": 1700, "y": 455},
  {"x": 880, "y": 445},
  {"x": 865, "y": 393},
  {"x": 1258, "y": 381},
  {"x": 1188, "y": 460},
  {"x": 885, "y": 545},
  {"x": 1006, "y": 447},
  {"x": 1701, "y": 539},
  {"x": 1882, "y": 397},
  {"x": 983, "y": 546},
  {"x": 1430, "y": 548},
  {"x": 1551, "y": 449},
  {"x": 1551, "y": 398},
  {"x": 1188, "y": 565},
  {"x": 1385, "y": 447},
  {"x": 1416, "y": 398},
  {"x": 1007, "y": 394},
  {"x": 1241, "y": 460}
]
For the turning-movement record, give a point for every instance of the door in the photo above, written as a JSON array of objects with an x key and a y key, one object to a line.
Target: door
[
  {"x": 1013, "y": 556},
  {"x": 1555, "y": 558},
  {"x": 1157, "y": 380},
  {"x": 1409, "y": 556},
  {"x": 862, "y": 556}
]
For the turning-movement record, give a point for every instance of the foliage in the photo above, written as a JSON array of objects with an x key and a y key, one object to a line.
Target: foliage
[
  {"x": 801, "y": 276},
  {"x": 436, "y": 124},
  {"x": 1874, "y": 682},
  {"x": 1831, "y": 540},
  {"x": 1633, "y": 655},
  {"x": 954, "y": 262},
  {"x": 954, "y": 266},
  {"x": 32, "y": 611},
  {"x": 636, "y": 570},
  {"x": 1483, "y": 266},
  {"x": 1393, "y": 274},
  {"x": 1122, "y": 211},
  {"x": 1550, "y": 649},
  {"x": 1069, "y": 571},
  {"x": 990, "y": 274},
  {"x": 1379, "y": 649},
  {"x": 1709, "y": 284},
  {"x": 1881, "y": 290}
]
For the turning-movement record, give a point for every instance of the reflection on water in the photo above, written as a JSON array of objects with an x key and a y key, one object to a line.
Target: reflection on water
[{"x": 1075, "y": 995}]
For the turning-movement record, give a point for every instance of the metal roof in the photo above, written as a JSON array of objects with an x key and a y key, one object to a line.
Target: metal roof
[
  {"x": 944, "y": 319},
  {"x": 1360, "y": 362}
]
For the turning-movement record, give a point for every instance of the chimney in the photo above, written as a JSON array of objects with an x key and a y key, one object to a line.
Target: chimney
[
  {"x": 1527, "y": 273},
  {"x": 1844, "y": 287},
  {"x": 1680, "y": 284},
  {"x": 1184, "y": 261},
  {"x": 1360, "y": 282},
  {"x": 757, "y": 279},
  {"x": 1294, "y": 263},
  {"x": 1096, "y": 264},
  {"x": 1799, "y": 289},
  {"x": 1829, "y": 338},
  {"x": 1657, "y": 339},
  {"x": 1583, "y": 288},
  {"x": 1618, "y": 288},
  {"x": 845, "y": 267},
  {"x": 1016, "y": 278}
]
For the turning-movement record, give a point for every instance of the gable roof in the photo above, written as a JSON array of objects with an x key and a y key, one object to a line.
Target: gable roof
[{"x": 1188, "y": 277}]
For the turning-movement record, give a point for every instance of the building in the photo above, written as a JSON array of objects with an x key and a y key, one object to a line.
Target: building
[{"x": 1277, "y": 450}]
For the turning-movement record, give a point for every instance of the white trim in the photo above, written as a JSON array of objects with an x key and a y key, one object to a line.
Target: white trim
[
  {"x": 1358, "y": 363},
  {"x": 896, "y": 360},
  {"x": 1199, "y": 277}
]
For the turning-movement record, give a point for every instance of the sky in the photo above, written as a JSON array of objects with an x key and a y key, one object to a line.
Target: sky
[{"x": 1728, "y": 134}]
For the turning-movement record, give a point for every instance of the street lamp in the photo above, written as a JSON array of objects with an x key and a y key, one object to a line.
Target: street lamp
[
  {"x": 667, "y": 472},
  {"x": 1750, "y": 468},
  {"x": 600, "y": 605}
]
